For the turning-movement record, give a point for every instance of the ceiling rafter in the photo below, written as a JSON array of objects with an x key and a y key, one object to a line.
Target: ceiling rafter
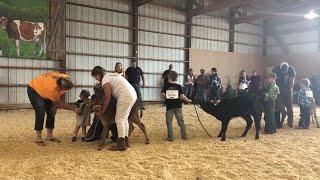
[
  {"x": 264, "y": 15},
  {"x": 218, "y": 5}
]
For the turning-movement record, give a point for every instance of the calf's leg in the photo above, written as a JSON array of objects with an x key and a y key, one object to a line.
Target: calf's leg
[
  {"x": 103, "y": 134},
  {"x": 257, "y": 123},
  {"x": 249, "y": 124},
  {"x": 224, "y": 127}
]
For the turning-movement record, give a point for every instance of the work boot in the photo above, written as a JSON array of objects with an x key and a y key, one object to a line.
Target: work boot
[
  {"x": 127, "y": 141},
  {"x": 121, "y": 145}
]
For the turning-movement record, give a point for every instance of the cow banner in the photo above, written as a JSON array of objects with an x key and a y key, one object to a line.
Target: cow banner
[{"x": 23, "y": 28}]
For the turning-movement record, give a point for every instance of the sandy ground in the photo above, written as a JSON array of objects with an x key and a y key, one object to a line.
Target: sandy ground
[{"x": 290, "y": 154}]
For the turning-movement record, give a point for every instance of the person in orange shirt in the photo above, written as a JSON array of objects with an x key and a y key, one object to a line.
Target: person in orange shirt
[{"x": 44, "y": 93}]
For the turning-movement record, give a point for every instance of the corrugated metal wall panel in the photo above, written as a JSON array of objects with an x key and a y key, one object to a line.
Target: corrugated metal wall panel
[
  {"x": 298, "y": 42},
  {"x": 208, "y": 37},
  {"x": 169, "y": 55},
  {"x": 18, "y": 95},
  {"x": 99, "y": 47},
  {"x": 248, "y": 43}
]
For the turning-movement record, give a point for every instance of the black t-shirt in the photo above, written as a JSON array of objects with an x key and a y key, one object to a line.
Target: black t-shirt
[
  {"x": 283, "y": 78},
  {"x": 174, "y": 101},
  {"x": 134, "y": 75},
  {"x": 165, "y": 76}
]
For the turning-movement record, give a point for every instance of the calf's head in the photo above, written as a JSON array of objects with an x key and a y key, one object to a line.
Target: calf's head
[{"x": 4, "y": 22}]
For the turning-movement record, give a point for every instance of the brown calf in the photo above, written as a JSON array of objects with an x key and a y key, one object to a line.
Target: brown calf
[{"x": 109, "y": 116}]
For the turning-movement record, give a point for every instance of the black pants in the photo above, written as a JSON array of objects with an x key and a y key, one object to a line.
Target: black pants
[
  {"x": 284, "y": 106},
  {"x": 41, "y": 107},
  {"x": 305, "y": 117},
  {"x": 214, "y": 93}
]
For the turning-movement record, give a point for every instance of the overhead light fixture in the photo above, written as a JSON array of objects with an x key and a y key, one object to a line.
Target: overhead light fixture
[{"x": 311, "y": 15}]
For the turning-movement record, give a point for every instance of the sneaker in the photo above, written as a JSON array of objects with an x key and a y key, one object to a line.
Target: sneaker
[
  {"x": 299, "y": 127},
  {"x": 83, "y": 139},
  {"x": 169, "y": 139},
  {"x": 184, "y": 138},
  {"x": 74, "y": 139}
]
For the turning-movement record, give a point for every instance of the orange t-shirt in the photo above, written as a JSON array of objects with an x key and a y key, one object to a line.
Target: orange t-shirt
[{"x": 46, "y": 85}]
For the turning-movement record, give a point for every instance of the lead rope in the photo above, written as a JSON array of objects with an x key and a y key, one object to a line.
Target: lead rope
[{"x": 201, "y": 122}]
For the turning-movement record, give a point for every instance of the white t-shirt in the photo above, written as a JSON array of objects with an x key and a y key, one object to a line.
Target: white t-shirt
[{"x": 118, "y": 84}]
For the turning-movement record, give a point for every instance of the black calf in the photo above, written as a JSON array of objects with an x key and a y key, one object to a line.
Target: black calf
[{"x": 245, "y": 106}]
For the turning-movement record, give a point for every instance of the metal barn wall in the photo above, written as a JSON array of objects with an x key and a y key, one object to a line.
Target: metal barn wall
[
  {"x": 157, "y": 59},
  {"x": 298, "y": 42},
  {"x": 95, "y": 37},
  {"x": 210, "y": 33},
  {"x": 248, "y": 39},
  {"x": 15, "y": 74}
]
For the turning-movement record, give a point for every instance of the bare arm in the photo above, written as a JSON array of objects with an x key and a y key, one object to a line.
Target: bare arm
[
  {"x": 69, "y": 108},
  {"x": 107, "y": 96},
  {"x": 184, "y": 98},
  {"x": 142, "y": 77}
]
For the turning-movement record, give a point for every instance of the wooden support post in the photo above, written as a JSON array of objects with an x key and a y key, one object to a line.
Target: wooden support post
[
  {"x": 135, "y": 25},
  {"x": 318, "y": 28},
  {"x": 231, "y": 29},
  {"x": 265, "y": 36},
  {"x": 188, "y": 27}
]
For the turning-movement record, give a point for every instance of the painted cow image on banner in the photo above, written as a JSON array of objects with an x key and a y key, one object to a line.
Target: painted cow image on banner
[
  {"x": 26, "y": 31},
  {"x": 23, "y": 28}
]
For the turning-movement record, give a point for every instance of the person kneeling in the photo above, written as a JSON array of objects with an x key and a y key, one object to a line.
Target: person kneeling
[{"x": 173, "y": 94}]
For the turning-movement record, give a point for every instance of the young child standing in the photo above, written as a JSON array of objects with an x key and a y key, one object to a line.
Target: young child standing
[
  {"x": 189, "y": 83},
  {"x": 83, "y": 115},
  {"x": 215, "y": 86},
  {"x": 174, "y": 96},
  {"x": 304, "y": 103},
  {"x": 271, "y": 92}
]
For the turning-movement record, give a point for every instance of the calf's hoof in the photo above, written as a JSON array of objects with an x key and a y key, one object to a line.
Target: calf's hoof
[
  {"x": 147, "y": 141},
  {"x": 223, "y": 139},
  {"x": 100, "y": 146},
  {"x": 257, "y": 137}
]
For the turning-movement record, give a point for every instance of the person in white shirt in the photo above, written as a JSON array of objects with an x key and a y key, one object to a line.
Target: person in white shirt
[
  {"x": 117, "y": 86},
  {"x": 119, "y": 69}
]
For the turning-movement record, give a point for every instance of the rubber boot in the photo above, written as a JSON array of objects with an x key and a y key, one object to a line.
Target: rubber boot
[
  {"x": 127, "y": 141},
  {"x": 121, "y": 145}
]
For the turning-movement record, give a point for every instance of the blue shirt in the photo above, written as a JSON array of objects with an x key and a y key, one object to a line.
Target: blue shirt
[
  {"x": 303, "y": 100},
  {"x": 215, "y": 80}
]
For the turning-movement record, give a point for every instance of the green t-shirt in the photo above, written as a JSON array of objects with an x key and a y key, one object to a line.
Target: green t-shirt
[{"x": 271, "y": 92}]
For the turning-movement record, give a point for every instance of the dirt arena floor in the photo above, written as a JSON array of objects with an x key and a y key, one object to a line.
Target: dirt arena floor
[{"x": 290, "y": 154}]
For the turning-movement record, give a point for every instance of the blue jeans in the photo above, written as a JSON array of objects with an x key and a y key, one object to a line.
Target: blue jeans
[
  {"x": 41, "y": 107},
  {"x": 269, "y": 117},
  {"x": 200, "y": 94},
  {"x": 138, "y": 91},
  {"x": 188, "y": 90},
  {"x": 169, "y": 116}
]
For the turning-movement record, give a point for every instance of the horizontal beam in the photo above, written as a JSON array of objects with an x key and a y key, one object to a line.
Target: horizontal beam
[
  {"x": 142, "y": 2},
  {"x": 218, "y": 5}
]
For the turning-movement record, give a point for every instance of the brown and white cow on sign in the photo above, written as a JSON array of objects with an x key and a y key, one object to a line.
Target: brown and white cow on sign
[{"x": 26, "y": 31}]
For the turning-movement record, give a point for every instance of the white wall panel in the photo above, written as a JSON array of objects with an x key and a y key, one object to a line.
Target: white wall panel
[
  {"x": 18, "y": 95},
  {"x": 168, "y": 55},
  {"x": 298, "y": 42},
  {"x": 248, "y": 39},
  {"x": 99, "y": 47},
  {"x": 208, "y": 37}
]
